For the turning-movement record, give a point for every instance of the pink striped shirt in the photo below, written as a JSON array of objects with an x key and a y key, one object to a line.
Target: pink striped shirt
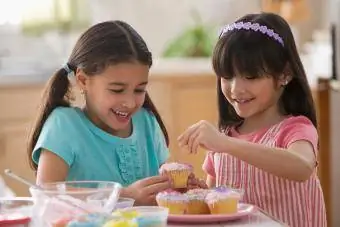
[{"x": 297, "y": 204}]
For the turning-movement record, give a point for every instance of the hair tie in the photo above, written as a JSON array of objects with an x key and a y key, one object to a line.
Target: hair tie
[{"x": 67, "y": 68}]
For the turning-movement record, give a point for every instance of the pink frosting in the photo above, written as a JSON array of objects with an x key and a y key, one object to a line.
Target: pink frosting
[
  {"x": 216, "y": 195},
  {"x": 172, "y": 196},
  {"x": 198, "y": 193},
  {"x": 175, "y": 166}
]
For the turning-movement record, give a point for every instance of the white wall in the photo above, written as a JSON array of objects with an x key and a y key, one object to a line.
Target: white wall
[{"x": 158, "y": 21}]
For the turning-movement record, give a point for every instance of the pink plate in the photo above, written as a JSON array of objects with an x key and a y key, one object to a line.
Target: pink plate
[{"x": 243, "y": 210}]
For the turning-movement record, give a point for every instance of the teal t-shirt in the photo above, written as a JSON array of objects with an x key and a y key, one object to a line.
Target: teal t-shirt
[{"x": 93, "y": 154}]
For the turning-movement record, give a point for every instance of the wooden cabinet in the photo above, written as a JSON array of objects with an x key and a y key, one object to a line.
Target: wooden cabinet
[
  {"x": 182, "y": 101},
  {"x": 18, "y": 105}
]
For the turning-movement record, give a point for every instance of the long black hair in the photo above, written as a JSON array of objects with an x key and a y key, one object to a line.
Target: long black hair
[
  {"x": 254, "y": 54},
  {"x": 103, "y": 44}
]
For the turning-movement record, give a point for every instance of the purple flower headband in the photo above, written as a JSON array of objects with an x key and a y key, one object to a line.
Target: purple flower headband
[{"x": 252, "y": 26}]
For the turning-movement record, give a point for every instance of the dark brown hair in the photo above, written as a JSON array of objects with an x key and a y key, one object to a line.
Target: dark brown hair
[
  {"x": 253, "y": 54},
  {"x": 103, "y": 44}
]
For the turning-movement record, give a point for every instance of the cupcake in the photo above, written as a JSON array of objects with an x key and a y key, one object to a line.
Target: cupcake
[
  {"x": 223, "y": 200},
  {"x": 176, "y": 202},
  {"x": 196, "y": 201},
  {"x": 178, "y": 173}
]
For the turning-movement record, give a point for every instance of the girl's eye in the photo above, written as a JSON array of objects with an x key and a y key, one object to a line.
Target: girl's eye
[
  {"x": 228, "y": 77},
  {"x": 250, "y": 77},
  {"x": 140, "y": 90},
  {"x": 116, "y": 91}
]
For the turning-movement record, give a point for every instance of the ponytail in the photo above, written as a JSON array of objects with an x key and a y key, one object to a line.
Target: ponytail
[
  {"x": 148, "y": 104},
  {"x": 56, "y": 93}
]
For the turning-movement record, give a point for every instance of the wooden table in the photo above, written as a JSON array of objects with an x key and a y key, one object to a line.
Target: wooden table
[{"x": 256, "y": 219}]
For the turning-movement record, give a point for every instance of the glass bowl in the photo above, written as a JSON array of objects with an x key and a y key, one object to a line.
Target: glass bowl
[
  {"x": 68, "y": 200},
  {"x": 15, "y": 211}
]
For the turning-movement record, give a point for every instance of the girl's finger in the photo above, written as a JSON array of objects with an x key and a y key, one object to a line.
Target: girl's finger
[
  {"x": 156, "y": 188},
  {"x": 155, "y": 180},
  {"x": 195, "y": 144},
  {"x": 193, "y": 139},
  {"x": 184, "y": 137}
]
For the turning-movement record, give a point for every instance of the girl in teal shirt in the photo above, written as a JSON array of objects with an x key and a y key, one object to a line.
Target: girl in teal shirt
[{"x": 118, "y": 135}]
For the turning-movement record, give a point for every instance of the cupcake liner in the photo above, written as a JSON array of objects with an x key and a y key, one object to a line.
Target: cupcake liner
[
  {"x": 197, "y": 207},
  {"x": 223, "y": 200},
  {"x": 178, "y": 172},
  {"x": 179, "y": 178},
  {"x": 175, "y": 207},
  {"x": 176, "y": 202},
  {"x": 225, "y": 206}
]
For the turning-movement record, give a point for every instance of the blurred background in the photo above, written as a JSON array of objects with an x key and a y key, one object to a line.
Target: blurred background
[{"x": 36, "y": 37}]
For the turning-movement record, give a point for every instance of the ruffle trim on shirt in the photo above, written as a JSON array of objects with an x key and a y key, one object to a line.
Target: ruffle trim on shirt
[{"x": 129, "y": 163}]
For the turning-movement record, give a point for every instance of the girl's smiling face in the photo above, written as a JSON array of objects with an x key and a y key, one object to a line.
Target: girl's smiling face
[
  {"x": 114, "y": 95},
  {"x": 251, "y": 96}
]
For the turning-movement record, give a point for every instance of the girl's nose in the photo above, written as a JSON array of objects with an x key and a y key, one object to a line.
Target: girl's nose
[
  {"x": 129, "y": 103},
  {"x": 237, "y": 85}
]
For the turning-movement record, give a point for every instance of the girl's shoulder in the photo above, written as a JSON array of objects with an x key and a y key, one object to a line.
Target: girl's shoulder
[
  {"x": 68, "y": 114},
  {"x": 296, "y": 122},
  {"x": 291, "y": 126},
  {"x": 300, "y": 119},
  {"x": 296, "y": 128}
]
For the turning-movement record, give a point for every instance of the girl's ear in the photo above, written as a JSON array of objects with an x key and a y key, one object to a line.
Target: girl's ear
[
  {"x": 82, "y": 79},
  {"x": 285, "y": 77}
]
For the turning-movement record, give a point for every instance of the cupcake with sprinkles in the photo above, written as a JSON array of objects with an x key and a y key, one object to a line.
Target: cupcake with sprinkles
[
  {"x": 196, "y": 201},
  {"x": 223, "y": 200},
  {"x": 176, "y": 202},
  {"x": 178, "y": 172}
]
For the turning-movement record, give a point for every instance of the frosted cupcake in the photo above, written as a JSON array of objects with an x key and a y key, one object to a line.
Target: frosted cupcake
[
  {"x": 176, "y": 202},
  {"x": 178, "y": 172},
  {"x": 223, "y": 200},
  {"x": 196, "y": 203}
]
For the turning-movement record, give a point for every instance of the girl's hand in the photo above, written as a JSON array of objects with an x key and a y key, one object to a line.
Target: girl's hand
[
  {"x": 145, "y": 190},
  {"x": 202, "y": 134},
  {"x": 194, "y": 182}
]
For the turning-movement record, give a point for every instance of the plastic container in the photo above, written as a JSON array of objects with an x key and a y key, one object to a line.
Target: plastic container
[
  {"x": 149, "y": 216},
  {"x": 15, "y": 212},
  {"x": 124, "y": 202},
  {"x": 72, "y": 199}
]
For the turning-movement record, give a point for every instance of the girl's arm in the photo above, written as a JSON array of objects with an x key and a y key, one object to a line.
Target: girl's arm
[
  {"x": 296, "y": 163},
  {"x": 51, "y": 168}
]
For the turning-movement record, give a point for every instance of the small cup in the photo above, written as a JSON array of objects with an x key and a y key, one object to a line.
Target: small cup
[
  {"x": 149, "y": 216},
  {"x": 124, "y": 202}
]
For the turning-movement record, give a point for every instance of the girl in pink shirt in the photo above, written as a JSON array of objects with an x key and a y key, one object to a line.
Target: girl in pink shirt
[{"x": 266, "y": 142}]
